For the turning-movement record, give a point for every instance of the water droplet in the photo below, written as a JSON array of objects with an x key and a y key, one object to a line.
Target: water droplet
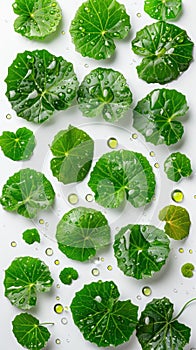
[
  {"x": 41, "y": 221},
  {"x": 152, "y": 154},
  {"x": 138, "y": 297},
  {"x": 73, "y": 198},
  {"x": 58, "y": 308},
  {"x": 57, "y": 262},
  {"x": 139, "y": 15},
  {"x": 110, "y": 268},
  {"x": 134, "y": 136},
  {"x": 89, "y": 197},
  {"x": 13, "y": 244},
  {"x": 66, "y": 308},
  {"x": 57, "y": 341},
  {"x": 8, "y": 116},
  {"x": 175, "y": 290},
  {"x": 58, "y": 286},
  {"x": 190, "y": 251},
  {"x": 147, "y": 320},
  {"x": 112, "y": 143},
  {"x": 49, "y": 251},
  {"x": 64, "y": 321},
  {"x": 181, "y": 250},
  {"x": 102, "y": 259},
  {"x": 156, "y": 165},
  {"x": 63, "y": 32},
  {"x": 95, "y": 272},
  {"x": 147, "y": 291},
  {"x": 177, "y": 196},
  {"x": 86, "y": 65},
  {"x": 58, "y": 298}
]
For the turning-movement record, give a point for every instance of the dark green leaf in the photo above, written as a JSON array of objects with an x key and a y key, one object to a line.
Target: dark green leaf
[
  {"x": 163, "y": 9},
  {"x": 24, "y": 278},
  {"x": 81, "y": 232},
  {"x": 38, "y": 83},
  {"x": 177, "y": 221},
  {"x": 19, "y": 145},
  {"x": 73, "y": 151},
  {"x": 36, "y": 19},
  {"x": 96, "y": 25},
  {"x": 29, "y": 332},
  {"x": 122, "y": 174},
  {"x": 104, "y": 92},
  {"x": 187, "y": 270},
  {"x": 31, "y": 236},
  {"x": 101, "y": 317},
  {"x": 155, "y": 116},
  {"x": 68, "y": 274},
  {"x": 158, "y": 331},
  {"x": 27, "y": 192},
  {"x": 141, "y": 250},
  {"x": 167, "y": 52},
  {"x": 176, "y": 166}
]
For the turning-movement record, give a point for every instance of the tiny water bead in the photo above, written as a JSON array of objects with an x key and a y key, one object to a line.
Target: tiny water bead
[
  {"x": 58, "y": 298},
  {"x": 157, "y": 165},
  {"x": 112, "y": 142},
  {"x": 57, "y": 262},
  {"x": 41, "y": 221},
  {"x": 13, "y": 244},
  {"x": 139, "y": 15},
  {"x": 64, "y": 321},
  {"x": 181, "y": 250},
  {"x": 49, "y": 251},
  {"x": 73, "y": 198},
  {"x": 89, "y": 197},
  {"x": 152, "y": 154},
  {"x": 57, "y": 341},
  {"x": 95, "y": 272},
  {"x": 58, "y": 308},
  {"x": 138, "y": 297},
  {"x": 194, "y": 196},
  {"x": 190, "y": 251},
  {"x": 134, "y": 136},
  {"x": 147, "y": 291},
  {"x": 63, "y": 32},
  {"x": 66, "y": 308},
  {"x": 58, "y": 286},
  {"x": 177, "y": 196},
  {"x": 110, "y": 268},
  {"x": 8, "y": 116}
]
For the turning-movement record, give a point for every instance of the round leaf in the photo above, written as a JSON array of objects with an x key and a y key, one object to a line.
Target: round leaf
[
  {"x": 122, "y": 174},
  {"x": 27, "y": 192},
  {"x": 101, "y": 317},
  {"x": 81, "y": 232},
  {"x": 157, "y": 330},
  {"x": 155, "y": 116},
  {"x": 36, "y": 19},
  {"x": 104, "y": 92},
  {"x": 163, "y": 9},
  {"x": 141, "y": 250},
  {"x": 73, "y": 151},
  {"x": 19, "y": 145},
  {"x": 167, "y": 52},
  {"x": 31, "y": 236},
  {"x": 177, "y": 221},
  {"x": 187, "y": 270},
  {"x": 96, "y": 25},
  {"x": 29, "y": 333},
  {"x": 38, "y": 83},
  {"x": 176, "y": 166},
  {"x": 68, "y": 274},
  {"x": 24, "y": 278}
]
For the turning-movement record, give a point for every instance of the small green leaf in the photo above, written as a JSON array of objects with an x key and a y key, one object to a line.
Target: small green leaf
[
  {"x": 122, "y": 174},
  {"x": 38, "y": 83},
  {"x": 167, "y": 52},
  {"x": 163, "y": 9},
  {"x": 27, "y": 192},
  {"x": 177, "y": 221},
  {"x": 36, "y": 19},
  {"x": 101, "y": 317},
  {"x": 67, "y": 275},
  {"x": 187, "y": 270},
  {"x": 155, "y": 116},
  {"x": 73, "y": 151},
  {"x": 29, "y": 332},
  {"x": 31, "y": 236},
  {"x": 81, "y": 232},
  {"x": 19, "y": 145},
  {"x": 104, "y": 92},
  {"x": 157, "y": 330},
  {"x": 24, "y": 278},
  {"x": 141, "y": 250},
  {"x": 96, "y": 25},
  {"x": 177, "y": 165}
]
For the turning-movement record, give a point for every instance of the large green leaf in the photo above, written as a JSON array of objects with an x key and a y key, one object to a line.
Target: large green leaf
[
  {"x": 122, "y": 174},
  {"x": 167, "y": 52},
  {"x": 38, "y": 83},
  {"x": 24, "y": 278},
  {"x": 29, "y": 332},
  {"x": 155, "y": 116},
  {"x": 141, "y": 250},
  {"x": 163, "y": 9},
  {"x": 36, "y": 19},
  {"x": 157, "y": 329},
  {"x": 101, "y": 317},
  {"x": 73, "y": 151},
  {"x": 96, "y": 25},
  {"x": 27, "y": 192},
  {"x": 104, "y": 92},
  {"x": 177, "y": 165},
  {"x": 177, "y": 221},
  {"x": 19, "y": 145},
  {"x": 81, "y": 232}
]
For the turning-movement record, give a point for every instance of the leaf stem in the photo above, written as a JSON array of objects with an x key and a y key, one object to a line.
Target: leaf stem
[
  {"x": 47, "y": 323},
  {"x": 184, "y": 307}
]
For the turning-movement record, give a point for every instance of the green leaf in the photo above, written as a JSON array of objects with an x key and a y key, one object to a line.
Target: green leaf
[
  {"x": 187, "y": 270},
  {"x": 81, "y": 232},
  {"x": 157, "y": 330},
  {"x": 96, "y": 25},
  {"x": 36, "y": 19},
  {"x": 163, "y": 9},
  {"x": 104, "y": 92},
  {"x": 177, "y": 221},
  {"x": 155, "y": 116},
  {"x": 27, "y": 192},
  {"x": 73, "y": 151},
  {"x": 167, "y": 52},
  {"x": 101, "y": 317},
  {"x": 38, "y": 83},
  {"x": 122, "y": 174},
  {"x": 19, "y": 145},
  {"x": 177, "y": 165},
  {"x": 31, "y": 236},
  {"x": 29, "y": 332},
  {"x": 141, "y": 250},
  {"x": 67, "y": 275},
  {"x": 24, "y": 278}
]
